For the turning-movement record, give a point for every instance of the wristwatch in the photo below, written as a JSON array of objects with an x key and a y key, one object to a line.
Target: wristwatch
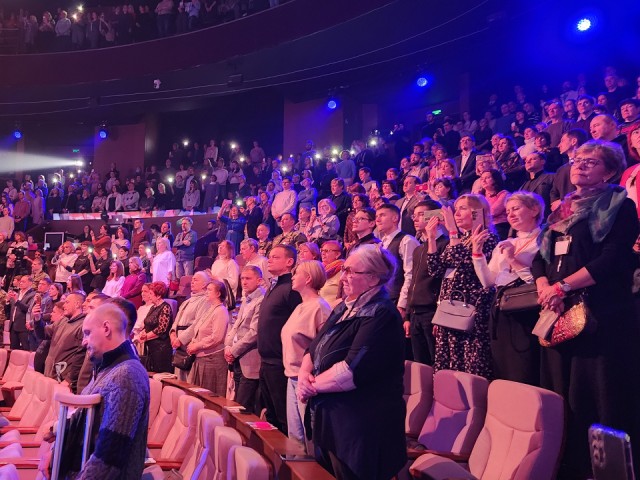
[{"x": 564, "y": 286}]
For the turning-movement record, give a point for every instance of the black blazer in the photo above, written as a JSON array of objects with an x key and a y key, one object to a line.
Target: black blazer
[
  {"x": 468, "y": 175},
  {"x": 19, "y": 321}
]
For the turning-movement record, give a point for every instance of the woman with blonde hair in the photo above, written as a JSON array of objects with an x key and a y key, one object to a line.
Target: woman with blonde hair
[
  {"x": 225, "y": 266},
  {"x": 455, "y": 349},
  {"x": 115, "y": 280},
  {"x": 64, "y": 259},
  {"x": 301, "y": 328},
  {"x": 210, "y": 369},
  {"x": 163, "y": 264}
]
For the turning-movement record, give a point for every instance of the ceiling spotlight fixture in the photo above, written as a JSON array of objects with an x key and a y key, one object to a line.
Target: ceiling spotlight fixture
[
  {"x": 103, "y": 132},
  {"x": 422, "y": 82},
  {"x": 332, "y": 104}
]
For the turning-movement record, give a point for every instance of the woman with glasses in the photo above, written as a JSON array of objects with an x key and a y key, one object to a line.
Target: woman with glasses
[
  {"x": 364, "y": 223},
  {"x": 354, "y": 370},
  {"x": 331, "y": 255},
  {"x": 587, "y": 248},
  {"x": 455, "y": 349},
  {"x": 324, "y": 226}
]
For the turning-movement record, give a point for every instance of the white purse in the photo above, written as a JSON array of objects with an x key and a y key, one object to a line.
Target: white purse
[{"x": 455, "y": 314}]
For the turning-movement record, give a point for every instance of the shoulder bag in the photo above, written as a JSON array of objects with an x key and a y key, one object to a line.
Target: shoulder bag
[
  {"x": 575, "y": 320},
  {"x": 518, "y": 298},
  {"x": 181, "y": 359},
  {"x": 455, "y": 314}
]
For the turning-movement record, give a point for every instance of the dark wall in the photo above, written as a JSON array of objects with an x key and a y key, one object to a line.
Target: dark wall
[{"x": 242, "y": 118}]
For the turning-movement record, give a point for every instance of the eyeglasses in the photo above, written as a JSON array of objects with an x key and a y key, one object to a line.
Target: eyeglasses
[
  {"x": 362, "y": 219},
  {"x": 587, "y": 162},
  {"x": 327, "y": 251},
  {"x": 350, "y": 272}
]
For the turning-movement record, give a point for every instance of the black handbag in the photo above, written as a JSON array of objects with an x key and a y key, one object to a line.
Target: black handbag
[
  {"x": 518, "y": 299},
  {"x": 182, "y": 360}
]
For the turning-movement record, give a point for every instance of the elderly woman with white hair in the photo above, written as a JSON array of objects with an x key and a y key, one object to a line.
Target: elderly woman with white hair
[
  {"x": 164, "y": 262},
  {"x": 326, "y": 225},
  {"x": 354, "y": 370},
  {"x": 190, "y": 310}
]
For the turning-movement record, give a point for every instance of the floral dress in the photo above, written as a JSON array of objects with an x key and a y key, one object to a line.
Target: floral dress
[{"x": 456, "y": 350}]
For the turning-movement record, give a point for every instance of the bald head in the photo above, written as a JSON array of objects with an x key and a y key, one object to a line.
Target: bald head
[{"x": 104, "y": 329}]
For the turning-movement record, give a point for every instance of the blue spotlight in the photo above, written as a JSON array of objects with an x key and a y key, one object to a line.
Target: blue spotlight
[
  {"x": 422, "y": 82},
  {"x": 17, "y": 134},
  {"x": 584, "y": 24},
  {"x": 332, "y": 104},
  {"x": 103, "y": 133}
]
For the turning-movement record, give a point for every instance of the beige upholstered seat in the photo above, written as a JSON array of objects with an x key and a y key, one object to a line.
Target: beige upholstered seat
[
  {"x": 18, "y": 363},
  {"x": 246, "y": 464},
  {"x": 521, "y": 438},
  {"x": 418, "y": 395},
  {"x": 4, "y": 356},
  {"x": 457, "y": 414},
  {"x": 182, "y": 435},
  {"x": 224, "y": 439},
  {"x": 166, "y": 416},
  {"x": 155, "y": 397}
]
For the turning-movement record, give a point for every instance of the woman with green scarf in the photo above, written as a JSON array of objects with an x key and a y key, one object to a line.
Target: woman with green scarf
[{"x": 587, "y": 248}]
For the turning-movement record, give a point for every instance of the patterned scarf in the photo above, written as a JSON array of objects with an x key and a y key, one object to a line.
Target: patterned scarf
[
  {"x": 599, "y": 206},
  {"x": 334, "y": 267}
]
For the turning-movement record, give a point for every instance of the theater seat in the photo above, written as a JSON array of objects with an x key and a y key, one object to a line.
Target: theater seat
[
  {"x": 182, "y": 435},
  {"x": 9, "y": 472},
  {"x": 18, "y": 363},
  {"x": 155, "y": 397},
  {"x": 457, "y": 414},
  {"x": 4, "y": 356},
  {"x": 202, "y": 263},
  {"x": 165, "y": 418},
  {"x": 521, "y": 438},
  {"x": 224, "y": 438},
  {"x": 27, "y": 387},
  {"x": 418, "y": 395},
  {"x": 245, "y": 463},
  {"x": 199, "y": 463}
]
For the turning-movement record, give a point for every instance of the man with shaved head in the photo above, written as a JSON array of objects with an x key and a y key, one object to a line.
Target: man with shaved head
[
  {"x": 122, "y": 381},
  {"x": 67, "y": 351}
]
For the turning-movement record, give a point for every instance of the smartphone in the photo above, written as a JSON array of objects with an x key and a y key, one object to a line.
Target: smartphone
[
  {"x": 477, "y": 218},
  {"x": 610, "y": 454},
  {"x": 428, "y": 214},
  {"x": 313, "y": 210}
]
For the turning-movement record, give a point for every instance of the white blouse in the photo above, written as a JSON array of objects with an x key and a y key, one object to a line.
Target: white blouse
[
  {"x": 113, "y": 287},
  {"x": 227, "y": 270},
  {"x": 498, "y": 270}
]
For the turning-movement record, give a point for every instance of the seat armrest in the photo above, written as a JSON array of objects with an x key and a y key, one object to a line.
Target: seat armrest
[
  {"x": 20, "y": 429},
  {"x": 152, "y": 445},
  {"x": 168, "y": 464},
  {"x": 23, "y": 444}
]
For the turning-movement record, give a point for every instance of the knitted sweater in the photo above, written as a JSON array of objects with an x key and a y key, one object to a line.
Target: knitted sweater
[{"x": 123, "y": 417}]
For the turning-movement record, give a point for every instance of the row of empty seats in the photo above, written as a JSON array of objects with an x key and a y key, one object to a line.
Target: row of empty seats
[{"x": 460, "y": 426}]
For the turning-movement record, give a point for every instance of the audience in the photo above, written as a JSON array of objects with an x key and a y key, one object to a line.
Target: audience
[{"x": 400, "y": 254}]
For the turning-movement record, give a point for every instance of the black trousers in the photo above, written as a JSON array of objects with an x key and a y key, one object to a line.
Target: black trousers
[
  {"x": 19, "y": 340},
  {"x": 423, "y": 342},
  {"x": 334, "y": 465},
  {"x": 273, "y": 390},
  {"x": 246, "y": 389}
]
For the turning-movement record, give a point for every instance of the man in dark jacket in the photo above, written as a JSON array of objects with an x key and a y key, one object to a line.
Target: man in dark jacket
[
  {"x": 20, "y": 303},
  {"x": 277, "y": 306}
]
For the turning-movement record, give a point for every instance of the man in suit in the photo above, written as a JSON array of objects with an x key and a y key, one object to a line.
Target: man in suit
[
  {"x": 20, "y": 302},
  {"x": 241, "y": 342},
  {"x": 408, "y": 203},
  {"x": 466, "y": 163}
]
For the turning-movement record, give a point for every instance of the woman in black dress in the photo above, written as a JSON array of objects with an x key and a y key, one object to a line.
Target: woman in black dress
[
  {"x": 587, "y": 247},
  {"x": 157, "y": 324},
  {"x": 457, "y": 350},
  {"x": 354, "y": 371}
]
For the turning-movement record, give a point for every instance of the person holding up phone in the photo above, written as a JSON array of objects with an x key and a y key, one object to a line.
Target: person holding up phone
[{"x": 457, "y": 350}]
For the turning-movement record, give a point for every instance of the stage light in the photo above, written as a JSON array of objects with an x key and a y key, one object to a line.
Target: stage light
[
  {"x": 422, "y": 82},
  {"x": 332, "y": 104},
  {"x": 584, "y": 24},
  {"x": 103, "y": 133},
  {"x": 17, "y": 134}
]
